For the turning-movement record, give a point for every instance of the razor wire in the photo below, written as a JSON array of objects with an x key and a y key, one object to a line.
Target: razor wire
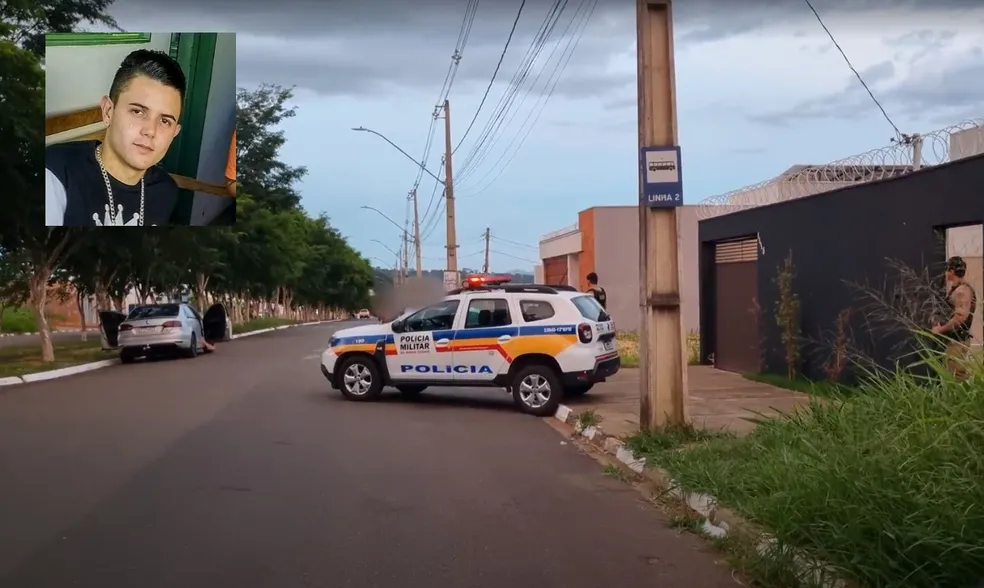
[{"x": 915, "y": 152}]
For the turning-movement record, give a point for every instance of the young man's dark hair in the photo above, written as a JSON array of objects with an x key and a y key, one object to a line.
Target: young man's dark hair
[
  {"x": 117, "y": 181},
  {"x": 597, "y": 291},
  {"x": 155, "y": 65}
]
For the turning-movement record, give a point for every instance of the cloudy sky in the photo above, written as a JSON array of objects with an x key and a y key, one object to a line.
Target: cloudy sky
[{"x": 760, "y": 87}]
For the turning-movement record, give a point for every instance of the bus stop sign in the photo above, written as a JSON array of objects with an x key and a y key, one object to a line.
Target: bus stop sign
[{"x": 662, "y": 177}]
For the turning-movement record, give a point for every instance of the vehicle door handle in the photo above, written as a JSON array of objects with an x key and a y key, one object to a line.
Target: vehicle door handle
[
  {"x": 442, "y": 342},
  {"x": 504, "y": 338}
]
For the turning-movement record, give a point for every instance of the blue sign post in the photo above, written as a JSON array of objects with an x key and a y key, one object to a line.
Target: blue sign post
[{"x": 662, "y": 177}]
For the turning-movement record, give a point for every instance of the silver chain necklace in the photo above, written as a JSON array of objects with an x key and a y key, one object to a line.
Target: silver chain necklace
[{"x": 109, "y": 190}]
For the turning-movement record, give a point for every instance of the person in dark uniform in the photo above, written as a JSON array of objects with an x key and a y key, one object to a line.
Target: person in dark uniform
[
  {"x": 962, "y": 302},
  {"x": 597, "y": 291},
  {"x": 117, "y": 181}
]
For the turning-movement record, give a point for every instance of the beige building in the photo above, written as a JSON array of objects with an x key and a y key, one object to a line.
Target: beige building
[{"x": 605, "y": 240}]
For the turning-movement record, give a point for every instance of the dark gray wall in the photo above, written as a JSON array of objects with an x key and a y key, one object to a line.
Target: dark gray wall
[{"x": 839, "y": 239}]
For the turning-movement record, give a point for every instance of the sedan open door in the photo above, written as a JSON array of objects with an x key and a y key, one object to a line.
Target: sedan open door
[
  {"x": 216, "y": 325},
  {"x": 109, "y": 328}
]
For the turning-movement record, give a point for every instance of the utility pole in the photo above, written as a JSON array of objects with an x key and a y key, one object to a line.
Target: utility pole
[
  {"x": 416, "y": 235},
  {"x": 663, "y": 390},
  {"x": 406, "y": 254},
  {"x": 485, "y": 268},
  {"x": 449, "y": 192}
]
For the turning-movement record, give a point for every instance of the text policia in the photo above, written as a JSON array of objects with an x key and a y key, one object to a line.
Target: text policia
[{"x": 446, "y": 369}]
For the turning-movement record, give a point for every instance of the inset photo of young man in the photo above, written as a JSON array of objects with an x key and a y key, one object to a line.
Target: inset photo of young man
[{"x": 140, "y": 129}]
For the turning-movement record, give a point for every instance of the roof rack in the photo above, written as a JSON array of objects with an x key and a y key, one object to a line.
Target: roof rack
[{"x": 517, "y": 289}]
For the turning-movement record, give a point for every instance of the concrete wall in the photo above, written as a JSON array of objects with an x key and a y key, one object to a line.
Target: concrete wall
[
  {"x": 966, "y": 143},
  {"x": 561, "y": 245},
  {"x": 220, "y": 120},
  {"x": 538, "y": 273},
  {"x": 616, "y": 261},
  {"x": 76, "y": 77}
]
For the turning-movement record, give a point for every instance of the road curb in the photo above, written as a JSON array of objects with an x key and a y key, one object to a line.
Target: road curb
[
  {"x": 95, "y": 365},
  {"x": 717, "y": 521}
]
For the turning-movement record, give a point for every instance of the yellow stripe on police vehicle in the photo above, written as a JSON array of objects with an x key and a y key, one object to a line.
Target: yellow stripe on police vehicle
[{"x": 539, "y": 342}]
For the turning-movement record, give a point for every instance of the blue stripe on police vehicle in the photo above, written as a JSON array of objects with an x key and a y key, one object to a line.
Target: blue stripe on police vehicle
[
  {"x": 461, "y": 334},
  {"x": 445, "y": 369}
]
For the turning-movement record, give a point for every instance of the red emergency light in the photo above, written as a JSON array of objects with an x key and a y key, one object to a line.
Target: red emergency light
[{"x": 479, "y": 281}]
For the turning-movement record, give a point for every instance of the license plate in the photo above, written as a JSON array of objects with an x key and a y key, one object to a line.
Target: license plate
[
  {"x": 609, "y": 345},
  {"x": 145, "y": 330}
]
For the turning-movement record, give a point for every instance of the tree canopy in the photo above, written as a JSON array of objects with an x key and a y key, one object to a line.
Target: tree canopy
[{"x": 276, "y": 258}]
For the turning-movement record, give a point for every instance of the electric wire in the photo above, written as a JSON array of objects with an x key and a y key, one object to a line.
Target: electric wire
[
  {"x": 495, "y": 73},
  {"x": 898, "y": 134},
  {"x": 552, "y": 82},
  {"x": 515, "y": 85}
]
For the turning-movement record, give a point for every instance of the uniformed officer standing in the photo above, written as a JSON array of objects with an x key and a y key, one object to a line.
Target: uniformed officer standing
[
  {"x": 597, "y": 291},
  {"x": 962, "y": 302}
]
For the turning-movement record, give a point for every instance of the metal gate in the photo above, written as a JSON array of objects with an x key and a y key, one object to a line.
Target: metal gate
[
  {"x": 736, "y": 316},
  {"x": 555, "y": 270}
]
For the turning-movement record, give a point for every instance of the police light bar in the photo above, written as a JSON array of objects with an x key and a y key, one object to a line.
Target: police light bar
[{"x": 479, "y": 281}]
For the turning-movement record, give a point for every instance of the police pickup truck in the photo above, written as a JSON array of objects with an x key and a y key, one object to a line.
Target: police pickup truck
[{"x": 538, "y": 342}]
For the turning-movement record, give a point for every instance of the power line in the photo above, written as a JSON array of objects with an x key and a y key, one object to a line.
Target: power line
[
  {"x": 518, "y": 79},
  {"x": 494, "y": 238},
  {"x": 554, "y": 77},
  {"x": 494, "y": 74},
  {"x": 513, "y": 257},
  {"x": 898, "y": 134}
]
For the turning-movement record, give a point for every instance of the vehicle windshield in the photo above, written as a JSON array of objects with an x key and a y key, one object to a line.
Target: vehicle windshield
[
  {"x": 590, "y": 308},
  {"x": 156, "y": 311}
]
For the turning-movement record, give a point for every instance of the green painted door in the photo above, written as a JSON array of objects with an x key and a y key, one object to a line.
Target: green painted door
[{"x": 195, "y": 52}]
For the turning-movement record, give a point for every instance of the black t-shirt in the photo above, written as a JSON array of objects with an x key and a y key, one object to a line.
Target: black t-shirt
[
  {"x": 75, "y": 191},
  {"x": 600, "y": 296}
]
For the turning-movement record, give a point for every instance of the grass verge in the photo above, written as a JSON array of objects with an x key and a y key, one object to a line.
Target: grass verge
[
  {"x": 884, "y": 486},
  {"x": 17, "y": 360},
  {"x": 627, "y": 343}
]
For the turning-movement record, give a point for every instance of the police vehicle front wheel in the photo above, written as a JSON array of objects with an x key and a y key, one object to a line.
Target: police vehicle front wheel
[
  {"x": 536, "y": 390},
  {"x": 360, "y": 379}
]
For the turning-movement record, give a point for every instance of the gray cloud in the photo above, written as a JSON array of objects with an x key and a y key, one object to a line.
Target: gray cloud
[
  {"x": 363, "y": 47},
  {"x": 943, "y": 93}
]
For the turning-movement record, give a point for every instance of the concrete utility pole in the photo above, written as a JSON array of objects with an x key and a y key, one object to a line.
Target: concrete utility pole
[
  {"x": 406, "y": 256},
  {"x": 449, "y": 192},
  {"x": 416, "y": 235},
  {"x": 663, "y": 390},
  {"x": 485, "y": 268}
]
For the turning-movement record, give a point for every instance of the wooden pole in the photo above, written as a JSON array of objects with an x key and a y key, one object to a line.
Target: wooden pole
[
  {"x": 663, "y": 391},
  {"x": 449, "y": 192}
]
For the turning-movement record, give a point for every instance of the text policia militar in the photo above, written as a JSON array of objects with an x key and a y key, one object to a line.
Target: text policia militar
[
  {"x": 414, "y": 343},
  {"x": 446, "y": 369}
]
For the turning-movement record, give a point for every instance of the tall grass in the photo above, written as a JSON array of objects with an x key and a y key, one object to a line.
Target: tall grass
[{"x": 886, "y": 486}]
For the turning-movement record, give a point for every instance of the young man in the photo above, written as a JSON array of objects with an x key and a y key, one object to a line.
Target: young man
[
  {"x": 597, "y": 291},
  {"x": 962, "y": 301},
  {"x": 117, "y": 182}
]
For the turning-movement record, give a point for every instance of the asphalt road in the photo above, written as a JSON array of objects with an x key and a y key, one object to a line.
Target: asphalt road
[{"x": 240, "y": 469}]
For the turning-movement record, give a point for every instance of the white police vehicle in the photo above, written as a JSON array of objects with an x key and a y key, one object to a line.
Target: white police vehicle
[{"x": 538, "y": 342}]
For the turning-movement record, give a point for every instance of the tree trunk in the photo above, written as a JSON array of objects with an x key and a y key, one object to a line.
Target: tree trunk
[
  {"x": 38, "y": 297},
  {"x": 80, "y": 298}
]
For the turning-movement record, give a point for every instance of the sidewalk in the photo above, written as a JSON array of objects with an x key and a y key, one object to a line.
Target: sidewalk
[{"x": 718, "y": 400}]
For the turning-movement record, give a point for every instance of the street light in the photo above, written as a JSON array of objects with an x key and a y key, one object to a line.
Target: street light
[
  {"x": 393, "y": 222},
  {"x": 387, "y": 247},
  {"x": 397, "y": 147}
]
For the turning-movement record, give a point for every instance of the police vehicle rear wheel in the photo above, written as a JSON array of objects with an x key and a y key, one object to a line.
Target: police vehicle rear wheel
[
  {"x": 578, "y": 390},
  {"x": 411, "y": 391},
  {"x": 360, "y": 379},
  {"x": 536, "y": 390}
]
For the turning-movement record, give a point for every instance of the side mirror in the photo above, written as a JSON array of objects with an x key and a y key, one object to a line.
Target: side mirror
[{"x": 397, "y": 326}]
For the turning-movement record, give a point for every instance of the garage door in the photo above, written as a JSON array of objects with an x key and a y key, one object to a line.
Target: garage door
[
  {"x": 736, "y": 290},
  {"x": 555, "y": 270}
]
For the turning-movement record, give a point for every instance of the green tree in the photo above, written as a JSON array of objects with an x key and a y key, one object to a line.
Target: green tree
[{"x": 260, "y": 173}]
